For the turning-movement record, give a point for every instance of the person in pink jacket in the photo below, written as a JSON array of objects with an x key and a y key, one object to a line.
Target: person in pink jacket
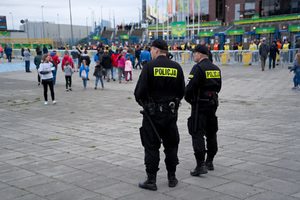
[
  {"x": 128, "y": 69},
  {"x": 121, "y": 65}
]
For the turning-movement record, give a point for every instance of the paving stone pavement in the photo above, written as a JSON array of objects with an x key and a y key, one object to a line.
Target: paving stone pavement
[{"x": 87, "y": 146}]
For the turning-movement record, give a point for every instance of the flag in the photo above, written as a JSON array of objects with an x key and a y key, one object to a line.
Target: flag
[
  {"x": 167, "y": 8},
  {"x": 192, "y": 6},
  {"x": 155, "y": 11},
  {"x": 186, "y": 6},
  {"x": 198, "y": 4},
  {"x": 181, "y": 5},
  {"x": 170, "y": 7},
  {"x": 177, "y": 6}
]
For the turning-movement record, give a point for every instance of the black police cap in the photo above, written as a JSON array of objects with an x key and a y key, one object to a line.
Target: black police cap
[
  {"x": 201, "y": 49},
  {"x": 161, "y": 44}
]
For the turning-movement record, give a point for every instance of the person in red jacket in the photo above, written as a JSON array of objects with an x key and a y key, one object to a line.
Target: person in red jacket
[
  {"x": 114, "y": 58},
  {"x": 65, "y": 59}
]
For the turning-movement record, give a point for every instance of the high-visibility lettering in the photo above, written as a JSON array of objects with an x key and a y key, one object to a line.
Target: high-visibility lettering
[
  {"x": 168, "y": 72},
  {"x": 212, "y": 74}
]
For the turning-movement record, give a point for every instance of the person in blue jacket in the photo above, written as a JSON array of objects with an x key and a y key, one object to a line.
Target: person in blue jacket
[
  {"x": 84, "y": 75},
  {"x": 296, "y": 69},
  {"x": 145, "y": 56},
  {"x": 8, "y": 52}
]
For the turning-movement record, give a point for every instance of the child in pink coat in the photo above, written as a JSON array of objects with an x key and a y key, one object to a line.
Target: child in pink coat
[{"x": 128, "y": 69}]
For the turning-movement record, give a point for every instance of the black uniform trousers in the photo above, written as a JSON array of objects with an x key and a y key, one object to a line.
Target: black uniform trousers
[
  {"x": 165, "y": 123},
  {"x": 207, "y": 125}
]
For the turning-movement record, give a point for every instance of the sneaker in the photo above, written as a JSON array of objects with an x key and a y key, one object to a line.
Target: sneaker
[
  {"x": 53, "y": 102},
  {"x": 294, "y": 88},
  {"x": 39, "y": 83},
  {"x": 95, "y": 88},
  {"x": 46, "y": 103},
  {"x": 70, "y": 89},
  {"x": 67, "y": 90}
]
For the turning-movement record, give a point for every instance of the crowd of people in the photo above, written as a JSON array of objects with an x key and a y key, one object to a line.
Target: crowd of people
[{"x": 112, "y": 63}]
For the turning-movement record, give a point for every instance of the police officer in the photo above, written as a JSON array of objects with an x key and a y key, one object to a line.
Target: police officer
[
  {"x": 202, "y": 88},
  {"x": 159, "y": 90}
]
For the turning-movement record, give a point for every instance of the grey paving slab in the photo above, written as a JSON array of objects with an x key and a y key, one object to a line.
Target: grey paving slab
[
  {"x": 276, "y": 185},
  {"x": 12, "y": 192},
  {"x": 49, "y": 188},
  {"x": 118, "y": 190},
  {"x": 46, "y": 152},
  {"x": 271, "y": 195},
  {"x": 74, "y": 194},
  {"x": 238, "y": 190}
]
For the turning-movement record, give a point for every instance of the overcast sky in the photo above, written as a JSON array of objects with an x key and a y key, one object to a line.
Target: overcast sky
[{"x": 125, "y": 10}]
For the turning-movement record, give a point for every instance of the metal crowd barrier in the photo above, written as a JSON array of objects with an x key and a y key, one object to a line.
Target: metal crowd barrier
[{"x": 221, "y": 57}]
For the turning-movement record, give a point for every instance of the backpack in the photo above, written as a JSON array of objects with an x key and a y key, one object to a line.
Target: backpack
[{"x": 83, "y": 74}]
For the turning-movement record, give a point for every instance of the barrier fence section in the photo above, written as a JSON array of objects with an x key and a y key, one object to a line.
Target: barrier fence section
[{"x": 244, "y": 57}]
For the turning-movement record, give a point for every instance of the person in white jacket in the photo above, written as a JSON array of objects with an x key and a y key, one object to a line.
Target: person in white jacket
[{"x": 45, "y": 71}]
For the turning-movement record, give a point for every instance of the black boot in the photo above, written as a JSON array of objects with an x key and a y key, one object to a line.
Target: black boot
[
  {"x": 150, "y": 183},
  {"x": 200, "y": 169},
  {"x": 172, "y": 179},
  {"x": 209, "y": 165}
]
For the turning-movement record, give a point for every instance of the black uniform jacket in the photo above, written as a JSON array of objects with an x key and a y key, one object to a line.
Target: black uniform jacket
[
  {"x": 162, "y": 80},
  {"x": 206, "y": 77}
]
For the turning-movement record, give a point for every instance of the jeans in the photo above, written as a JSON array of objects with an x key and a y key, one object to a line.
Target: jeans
[
  {"x": 107, "y": 71},
  {"x": 8, "y": 57},
  {"x": 54, "y": 75},
  {"x": 84, "y": 82},
  {"x": 270, "y": 61},
  {"x": 121, "y": 72},
  {"x": 101, "y": 80},
  {"x": 138, "y": 63},
  {"x": 27, "y": 65},
  {"x": 114, "y": 72},
  {"x": 1, "y": 53},
  {"x": 296, "y": 79},
  {"x": 68, "y": 81}
]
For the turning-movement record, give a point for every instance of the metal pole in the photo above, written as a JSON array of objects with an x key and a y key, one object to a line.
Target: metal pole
[
  {"x": 12, "y": 20},
  {"x": 139, "y": 18},
  {"x": 163, "y": 20},
  {"x": 114, "y": 19},
  {"x": 87, "y": 31},
  {"x": 71, "y": 23},
  {"x": 43, "y": 22},
  {"x": 58, "y": 28},
  {"x": 157, "y": 22},
  {"x": 101, "y": 17},
  {"x": 199, "y": 16}
]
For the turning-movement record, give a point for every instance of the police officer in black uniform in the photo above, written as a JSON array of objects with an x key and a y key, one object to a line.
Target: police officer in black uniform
[
  {"x": 202, "y": 88},
  {"x": 159, "y": 90}
]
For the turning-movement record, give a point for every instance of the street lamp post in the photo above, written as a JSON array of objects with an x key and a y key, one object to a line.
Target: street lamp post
[
  {"x": 12, "y": 20},
  {"x": 201, "y": 18},
  {"x": 139, "y": 17},
  {"x": 87, "y": 31},
  {"x": 71, "y": 22},
  {"x": 43, "y": 35},
  {"x": 58, "y": 28},
  {"x": 227, "y": 9},
  {"x": 101, "y": 17}
]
